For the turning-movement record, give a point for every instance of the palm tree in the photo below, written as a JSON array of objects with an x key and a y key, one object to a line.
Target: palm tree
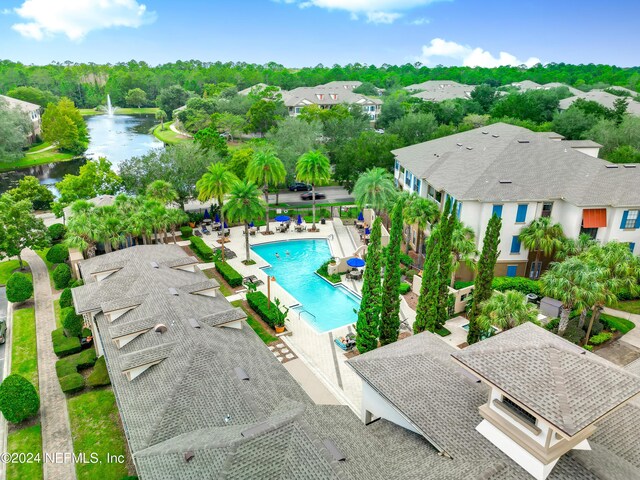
[
  {"x": 161, "y": 191},
  {"x": 265, "y": 169},
  {"x": 463, "y": 248},
  {"x": 573, "y": 282},
  {"x": 506, "y": 310},
  {"x": 109, "y": 229},
  {"x": 82, "y": 229},
  {"x": 161, "y": 115},
  {"x": 244, "y": 205},
  {"x": 176, "y": 217},
  {"x": 216, "y": 183},
  {"x": 572, "y": 247},
  {"x": 420, "y": 211},
  {"x": 142, "y": 225},
  {"x": 313, "y": 167},
  {"x": 541, "y": 236},
  {"x": 375, "y": 188}
]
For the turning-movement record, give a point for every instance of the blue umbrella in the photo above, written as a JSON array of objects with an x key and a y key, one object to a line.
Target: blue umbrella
[
  {"x": 367, "y": 231},
  {"x": 355, "y": 262},
  {"x": 225, "y": 225},
  {"x": 217, "y": 218},
  {"x": 206, "y": 214},
  {"x": 299, "y": 219},
  {"x": 251, "y": 225},
  {"x": 360, "y": 217},
  {"x": 282, "y": 218}
]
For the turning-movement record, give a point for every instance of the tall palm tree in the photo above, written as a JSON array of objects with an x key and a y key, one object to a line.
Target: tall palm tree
[
  {"x": 541, "y": 236},
  {"x": 572, "y": 247},
  {"x": 573, "y": 282},
  {"x": 216, "y": 183},
  {"x": 420, "y": 211},
  {"x": 244, "y": 205},
  {"x": 313, "y": 167},
  {"x": 265, "y": 169},
  {"x": 82, "y": 232},
  {"x": 463, "y": 248},
  {"x": 161, "y": 115},
  {"x": 142, "y": 225},
  {"x": 109, "y": 229},
  {"x": 161, "y": 191},
  {"x": 128, "y": 207},
  {"x": 506, "y": 310},
  {"x": 375, "y": 188},
  {"x": 176, "y": 217}
]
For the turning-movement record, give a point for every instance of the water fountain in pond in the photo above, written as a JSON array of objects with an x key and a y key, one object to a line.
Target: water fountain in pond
[{"x": 110, "y": 109}]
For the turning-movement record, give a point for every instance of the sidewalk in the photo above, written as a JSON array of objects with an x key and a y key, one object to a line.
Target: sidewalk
[
  {"x": 632, "y": 337},
  {"x": 54, "y": 417}
]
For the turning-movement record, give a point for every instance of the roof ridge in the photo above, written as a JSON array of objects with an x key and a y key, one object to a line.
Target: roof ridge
[{"x": 560, "y": 389}]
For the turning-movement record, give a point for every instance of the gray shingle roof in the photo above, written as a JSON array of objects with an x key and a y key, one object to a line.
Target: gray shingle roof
[
  {"x": 603, "y": 98},
  {"x": 551, "y": 376},
  {"x": 439, "y": 90},
  {"x": 471, "y": 165},
  {"x": 308, "y": 95},
  {"x": 179, "y": 262},
  {"x": 200, "y": 286},
  {"x": 146, "y": 355},
  {"x": 19, "y": 104}
]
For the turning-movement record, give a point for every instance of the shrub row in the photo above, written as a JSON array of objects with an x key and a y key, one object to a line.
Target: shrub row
[
  {"x": 63, "y": 345},
  {"x": 61, "y": 276},
  {"x": 186, "y": 232},
  {"x": 71, "y": 322},
  {"x": 201, "y": 249},
  {"x": 258, "y": 301},
  {"x": 233, "y": 278},
  {"x": 519, "y": 284},
  {"x": 99, "y": 376},
  {"x": 67, "y": 370},
  {"x": 600, "y": 338}
]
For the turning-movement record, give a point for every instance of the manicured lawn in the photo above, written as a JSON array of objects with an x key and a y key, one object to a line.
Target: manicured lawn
[
  {"x": 632, "y": 306},
  {"x": 50, "y": 156},
  {"x": 43, "y": 255},
  {"x": 56, "y": 309},
  {"x": 40, "y": 146},
  {"x": 620, "y": 324},
  {"x": 264, "y": 335},
  {"x": 95, "y": 428},
  {"x": 26, "y": 440},
  {"x": 120, "y": 111},
  {"x": 24, "y": 359},
  {"x": 167, "y": 135},
  {"x": 7, "y": 268}
]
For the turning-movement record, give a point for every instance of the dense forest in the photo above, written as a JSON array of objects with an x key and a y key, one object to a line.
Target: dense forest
[{"x": 88, "y": 84}]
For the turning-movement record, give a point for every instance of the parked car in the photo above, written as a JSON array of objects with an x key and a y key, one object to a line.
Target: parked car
[
  {"x": 309, "y": 196},
  {"x": 299, "y": 187},
  {"x": 3, "y": 330}
]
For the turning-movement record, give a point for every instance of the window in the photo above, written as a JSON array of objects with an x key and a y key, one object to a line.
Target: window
[
  {"x": 416, "y": 186},
  {"x": 632, "y": 246},
  {"x": 431, "y": 191},
  {"x": 407, "y": 178},
  {"x": 497, "y": 211},
  {"x": 546, "y": 209},
  {"x": 397, "y": 167},
  {"x": 512, "y": 270},
  {"x": 515, "y": 244},
  {"x": 630, "y": 219},
  {"x": 297, "y": 109},
  {"x": 518, "y": 411},
  {"x": 521, "y": 216},
  {"x": 438, "y": 197}
]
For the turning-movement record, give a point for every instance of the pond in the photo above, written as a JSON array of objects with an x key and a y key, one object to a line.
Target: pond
[{"x": 116, "y": 137}]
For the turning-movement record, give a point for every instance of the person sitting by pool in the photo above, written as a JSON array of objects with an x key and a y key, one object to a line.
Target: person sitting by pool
[{"x": 277, "y": 255}]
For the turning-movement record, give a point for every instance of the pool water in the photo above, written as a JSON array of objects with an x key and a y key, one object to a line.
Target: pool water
[
  {"x": 484, "y": 335},
  {"x": 324, "y": 306}
]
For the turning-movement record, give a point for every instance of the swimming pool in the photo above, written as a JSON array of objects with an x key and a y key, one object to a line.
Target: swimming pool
[{"x": 323, "y": 306}]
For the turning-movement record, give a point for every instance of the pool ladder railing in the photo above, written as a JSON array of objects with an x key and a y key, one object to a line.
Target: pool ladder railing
[{"x": 303, "y": 310}]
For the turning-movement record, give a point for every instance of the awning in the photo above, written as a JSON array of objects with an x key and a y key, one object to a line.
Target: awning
[{"x": 594, "y": 217}]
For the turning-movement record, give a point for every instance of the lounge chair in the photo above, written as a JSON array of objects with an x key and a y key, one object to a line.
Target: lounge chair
[
  {"x": 347, "y": 342},
  {"x": 205, "y": 230},
  {"x": 197, "y": 233},
  {"x": 253, "y": 230},
  {"x": 226, "y": 233}
]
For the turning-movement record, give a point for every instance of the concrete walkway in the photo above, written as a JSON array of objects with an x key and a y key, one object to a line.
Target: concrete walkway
[
  {"x": 633, "y": 336},
  {"x": 50, "y": 147},
  {"x": 54, "y": 418}
]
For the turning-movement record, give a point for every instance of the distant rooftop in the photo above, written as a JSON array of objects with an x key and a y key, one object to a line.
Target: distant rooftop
[{"x": 21, "y": 105}]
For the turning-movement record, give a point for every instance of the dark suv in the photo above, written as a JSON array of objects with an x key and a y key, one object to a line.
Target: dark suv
[
  {"x": 299, "y": 187},
  {"x": 3, "y": 330}
]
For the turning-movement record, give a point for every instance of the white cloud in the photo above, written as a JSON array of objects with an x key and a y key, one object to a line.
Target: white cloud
[
  {"x": 468, "y": 56},
  {"x": 76, "y": 18},
  {"x": 420, "y": 21},
  {"x": 374, "y": 11}
]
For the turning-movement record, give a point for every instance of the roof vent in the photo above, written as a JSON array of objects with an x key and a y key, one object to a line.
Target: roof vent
[
  {"x": 611, "y": 166},
  {"x": 160, "y": 328},
  {"x": 155, "y": 265},
  {"x": 173, "y": 291},
  {"x": 504, "y": 182},
  {"x": 523, "y": 141},
  {"x": 495, "y": 136},
  {"x": 337, "y": 455},
  {"x": 629, "y": 166},
  {"x": 459, "y": 144},
  {"x": 194, "y": 323},
  {"x": 469, "y": 148},
  {"x": 241, "y": 374},
  {"x": 256, "y": 430},
  {"x": 188, "y": 456}
]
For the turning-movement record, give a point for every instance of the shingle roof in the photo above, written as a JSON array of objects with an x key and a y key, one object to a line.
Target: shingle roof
[
  {"x": 550, "y": 376},
  {"x": 471, "y": 166},
  {"x": 179, "y": 262},
  {"x": 603, "y": 98},
  {"x": 308, "y": 96},
  {"x": 19, "y": 104},
  {"x": 439, "y": 90}
]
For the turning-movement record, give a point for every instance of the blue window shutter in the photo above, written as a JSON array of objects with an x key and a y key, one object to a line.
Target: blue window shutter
[
  {"x": 632, "y": 246},
  {"x": 521, "y": 216},
  {"x": 624, "y": 218},
  {"x": 515, "y": 244},
  {"x": 512, "y": 270},
  {"x": 637, "y": 225},
  {"x": 459, "y": 208},
  {"x": 497, "y": 211}
]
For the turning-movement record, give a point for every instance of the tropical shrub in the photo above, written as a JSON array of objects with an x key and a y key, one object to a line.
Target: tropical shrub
[
  {"x": 72, "y": 383},
  {"x": 18, "y": 399},
  {"x": 233, "y": 278},
  {"x": 600, "y": 338},
  {"x": 61, "y": 276},
  {"x": 59, "y": 253},
  {"x": 201, "y": 249},
  {"x": 76, "y": 283},
  {"x": 19, "y": 288},
  {"x": 258, "y": 302},
  {"x": 323, "y": 271},
  {"x": 71, "y": 322},
  {"x": 57, "y": 232},
  {"x": 186, "y": 232},
  {"x": 99, "y": 376},
  {"x": 404, "y": 288},
  {"x": 66, "y": 300},
  {"x": 63, "y": 345},
  {"x": 519, "y": 284},
  {"x": 552, "y": 324}
]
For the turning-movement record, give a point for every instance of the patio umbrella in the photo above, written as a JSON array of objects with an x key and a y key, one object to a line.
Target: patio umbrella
[
  {"x": 356, "y": 262},
  {"x": 251, "y": 225},
  {"x": 282, "y": 218},
  {"x": 299, "y": 221},
  {"x": 367, "y": 231},
  {"x": 225, "y": 225},
  {"x": 217, "y": 218},
  {"x": 206, "y": 214},
  {"x": 360, "y": 217}
]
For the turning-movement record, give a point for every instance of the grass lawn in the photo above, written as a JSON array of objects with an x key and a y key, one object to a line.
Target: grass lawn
[
  {"x": 56, "y": 310},
  {"x": 264, "y": 335},
  {"x": 7, "y": 268},
  {"x": 167, "y": 135},
  {"x": 38, "y": 147},
  {"x": 43, "y": 255},
  {"x": 26, "y": 440},
  {"x": 120, "y": 111},
  {"x": 620, "y": 324},
  {"x": 95, "y": 428},
  {"x": 50, "y": 156},
  {"x": 24, "y": 359},
  {"x": 211, "y": 273},
  {"x": 443, "y": 332},
  {"x": 631, "y": 306}
]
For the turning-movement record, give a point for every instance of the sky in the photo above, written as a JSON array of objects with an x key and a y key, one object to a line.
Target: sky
[{"x": 298, "y": 33}]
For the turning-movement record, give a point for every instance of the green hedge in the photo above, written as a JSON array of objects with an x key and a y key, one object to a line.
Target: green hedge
[
  {"x": 59, "y": 253},
  {"x": 460, "y": 285},
  {"x": 258, "y": 302},
  {"x": 61, "y": 276},
  {"x": 201, "y": 249},
  {"x": 72, "y": 383},
  {"x": 71, "y": 322},
  {"x": 404, "y": 288},
  {"x": 63, "y": 345},
  {"x": 57, "y": 232},
  {"x": 18, "y": 399},
  {"x": 100, "y": 375},
  {"x": 19, "y": 287},
  {"x": 186, "y": 232},
  {"x": 519, "y": 284},
  {"x": 233, "y": 278},
  {"x": 66, "y": 300},
  {"x": 79, "y": 361},
  {"x": 600, "y": 338}
]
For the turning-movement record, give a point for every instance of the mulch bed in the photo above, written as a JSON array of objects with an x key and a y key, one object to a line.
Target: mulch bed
[{"x": 412, "y": 300}]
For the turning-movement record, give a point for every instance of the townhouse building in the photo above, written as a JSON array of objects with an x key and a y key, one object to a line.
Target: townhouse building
[{"x": 32, "y": 111}]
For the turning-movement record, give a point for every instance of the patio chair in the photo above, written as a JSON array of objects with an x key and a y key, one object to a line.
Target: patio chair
[
  {"x": 347, "y": 342},
  {"x": 197, "y": 233},
  {"x": 205, "y": 230}
]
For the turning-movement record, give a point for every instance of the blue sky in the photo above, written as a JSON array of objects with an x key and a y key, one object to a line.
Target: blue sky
[{"x": 300, "y": 33}]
